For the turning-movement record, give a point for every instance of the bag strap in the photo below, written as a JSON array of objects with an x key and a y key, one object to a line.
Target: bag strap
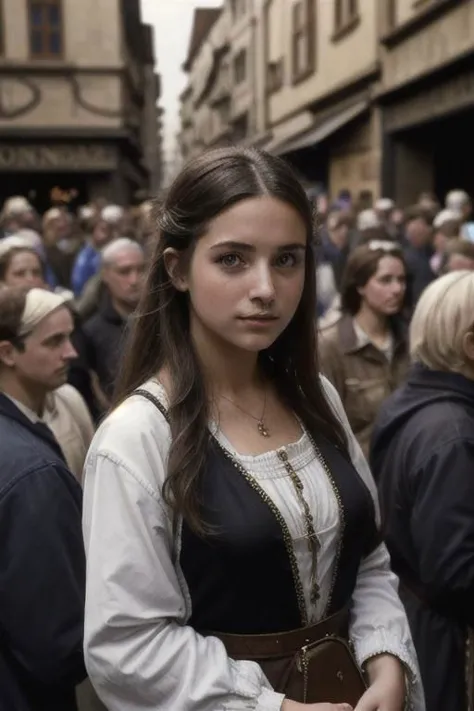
[
  {"x": 162, "y": 409},
  {"x": 153, "y": 399}
]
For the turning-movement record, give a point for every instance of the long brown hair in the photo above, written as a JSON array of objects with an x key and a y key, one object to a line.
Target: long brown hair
[{"x": 160, "y": 335}]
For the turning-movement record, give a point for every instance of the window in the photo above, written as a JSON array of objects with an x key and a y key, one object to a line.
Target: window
[
  {"x": 391, "y": 15},
  {"x": 274, "y": 76},
  {"x": 240, "y": 128},
  {"x": 46, "y": 32},
  {"x": 304, "y": 39},
  {"x": 346, "y": 13},
  {"x": 240, "y": 67},
  {"x": 223, "y": 111}
]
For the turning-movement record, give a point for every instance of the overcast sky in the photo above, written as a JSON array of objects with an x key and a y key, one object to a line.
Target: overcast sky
[{"x": 172, "y": 21}]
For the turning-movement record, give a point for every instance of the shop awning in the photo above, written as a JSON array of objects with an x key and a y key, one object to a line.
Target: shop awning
[{"x": 316, "y": 134}]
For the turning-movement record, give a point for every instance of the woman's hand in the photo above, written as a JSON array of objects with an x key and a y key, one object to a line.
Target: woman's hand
[
  {"x": 387, "y": 685},
  {"x": 295, "y": 706}
]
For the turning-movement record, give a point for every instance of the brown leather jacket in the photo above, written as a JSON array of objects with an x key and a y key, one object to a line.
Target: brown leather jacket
[{"x": 361, "y": 374}]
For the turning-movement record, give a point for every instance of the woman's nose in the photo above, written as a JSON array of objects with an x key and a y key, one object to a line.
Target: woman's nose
[{"x": 263, "y": 287}]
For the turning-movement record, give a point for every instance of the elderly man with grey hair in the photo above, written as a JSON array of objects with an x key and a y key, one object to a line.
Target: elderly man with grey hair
[
  {"x": 122, "y": 269},
  {"x": 459, "y": 201}
]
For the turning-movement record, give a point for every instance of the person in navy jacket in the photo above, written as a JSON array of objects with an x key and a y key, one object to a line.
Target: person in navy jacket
[
  {"x": 422, "y": 457},
  {"x": 42, "y": 563}
]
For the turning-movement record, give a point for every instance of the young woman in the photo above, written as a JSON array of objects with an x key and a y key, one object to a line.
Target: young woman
[
  {"x": 364, "y": 353},
  {"x": 229, "y": 494},
  {"x": 20, "y": 265}
]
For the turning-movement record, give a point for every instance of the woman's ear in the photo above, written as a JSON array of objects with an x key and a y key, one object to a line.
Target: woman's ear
[{"x": 174, "y": 265}]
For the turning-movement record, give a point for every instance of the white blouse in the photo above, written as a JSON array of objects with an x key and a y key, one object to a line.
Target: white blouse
[{"x": 140, "y": 653}]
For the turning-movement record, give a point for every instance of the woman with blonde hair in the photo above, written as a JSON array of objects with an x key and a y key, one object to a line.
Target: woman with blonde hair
[{"x": 422, "y": 456}]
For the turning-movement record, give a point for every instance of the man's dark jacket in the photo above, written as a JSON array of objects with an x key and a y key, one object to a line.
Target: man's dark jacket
[
  {"x": 42, "y": 569},
  {"x": 422, "y": 457},
  {"x": 105, "y": 335}
]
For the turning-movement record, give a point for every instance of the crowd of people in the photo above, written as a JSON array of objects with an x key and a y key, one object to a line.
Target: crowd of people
[{"x": 195, "y": 390}]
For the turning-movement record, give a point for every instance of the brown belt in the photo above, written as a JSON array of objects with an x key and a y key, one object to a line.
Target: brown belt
[{"x": 267, "y": 646}]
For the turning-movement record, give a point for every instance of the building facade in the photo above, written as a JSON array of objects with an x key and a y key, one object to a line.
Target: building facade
[
  {"x": 371, "y": 96},
  {"x": 296, "y": 77},
  {"x": 78, "y": 97},
  {"x": 321, "y": 61},
  {"x": 427, "y": 97}
]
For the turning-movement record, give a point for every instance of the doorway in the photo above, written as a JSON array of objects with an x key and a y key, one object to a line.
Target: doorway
[
  {"x": 437, "y": 156},
  {"x": 44, "y": 190}
]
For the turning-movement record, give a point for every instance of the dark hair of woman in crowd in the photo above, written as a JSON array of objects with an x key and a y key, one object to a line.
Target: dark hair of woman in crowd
[
  {"x": 361, "y": 266},
  {"x": 160, "y": 336}
]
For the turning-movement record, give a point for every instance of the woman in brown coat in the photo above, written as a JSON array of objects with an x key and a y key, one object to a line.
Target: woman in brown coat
[{"x": 364, "y": 354}]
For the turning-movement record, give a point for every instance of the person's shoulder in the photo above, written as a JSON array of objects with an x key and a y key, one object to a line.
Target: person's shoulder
[
  {"x": 73, "y": 400},
  {"x": 444, "y": 421},
  {"x": 331, "y": 394},
  {"x": 92, "y": 324},
  {"x": 69, "y": 393},
  {"x": 28, "y": 465},
  {"x": 81, "y": 257},
  {"x": 328, "y": 330},
  {"x": 136, "y": 428},
  {"x": 329, "y": 337}
]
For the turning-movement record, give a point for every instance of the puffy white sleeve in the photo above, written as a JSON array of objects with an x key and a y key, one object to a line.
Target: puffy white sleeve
[
  {"x": 379, "y": 624},
  {"x": 140, "y": 653}
]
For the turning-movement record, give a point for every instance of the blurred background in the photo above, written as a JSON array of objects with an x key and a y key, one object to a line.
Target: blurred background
[{"x": 104, "y": 99}]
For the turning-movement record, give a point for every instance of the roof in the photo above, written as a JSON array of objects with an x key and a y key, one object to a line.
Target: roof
[{"x": 204, "y": 19}]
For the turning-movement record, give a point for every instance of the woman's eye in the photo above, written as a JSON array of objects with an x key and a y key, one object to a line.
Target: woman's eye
[
  {"x": 230, "y": 260},
  {"x": 286, "y": 260}
]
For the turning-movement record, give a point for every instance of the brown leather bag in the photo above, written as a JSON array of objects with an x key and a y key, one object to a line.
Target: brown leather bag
[{"x": 310, "y": 665}]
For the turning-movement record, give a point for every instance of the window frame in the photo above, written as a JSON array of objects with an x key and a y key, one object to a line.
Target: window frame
[
  {"x": 303, "y": 27},
  {"x": 47, "y": 30},
  {"x": 2, "y": 29},
  {"x": 240, "y": 56},
  {"x": 275, "y": 77},
  {"x": 391, "y": 15},
  {"x": 346, "y": 17}
]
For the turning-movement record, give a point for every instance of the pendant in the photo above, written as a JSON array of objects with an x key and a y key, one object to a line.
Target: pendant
[
  {"x": 262, "y": 429},
  {"x": 315, "y": 594}
]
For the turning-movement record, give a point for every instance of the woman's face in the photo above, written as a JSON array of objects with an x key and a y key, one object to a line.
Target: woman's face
[
  {"x": 385, "y": 290},
  {"x": 246, "y": 275},
  {"x": 24, "y": 270}
]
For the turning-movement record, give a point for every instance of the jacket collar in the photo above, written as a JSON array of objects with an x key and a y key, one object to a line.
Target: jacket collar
[
  {"x": 443, "y": 381},
  {"x": 350, "y": 343},
  {"x": 39, "y": 429},
  {"x": 347, "y": 335},
  {"x": 108, "y": 311}
]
